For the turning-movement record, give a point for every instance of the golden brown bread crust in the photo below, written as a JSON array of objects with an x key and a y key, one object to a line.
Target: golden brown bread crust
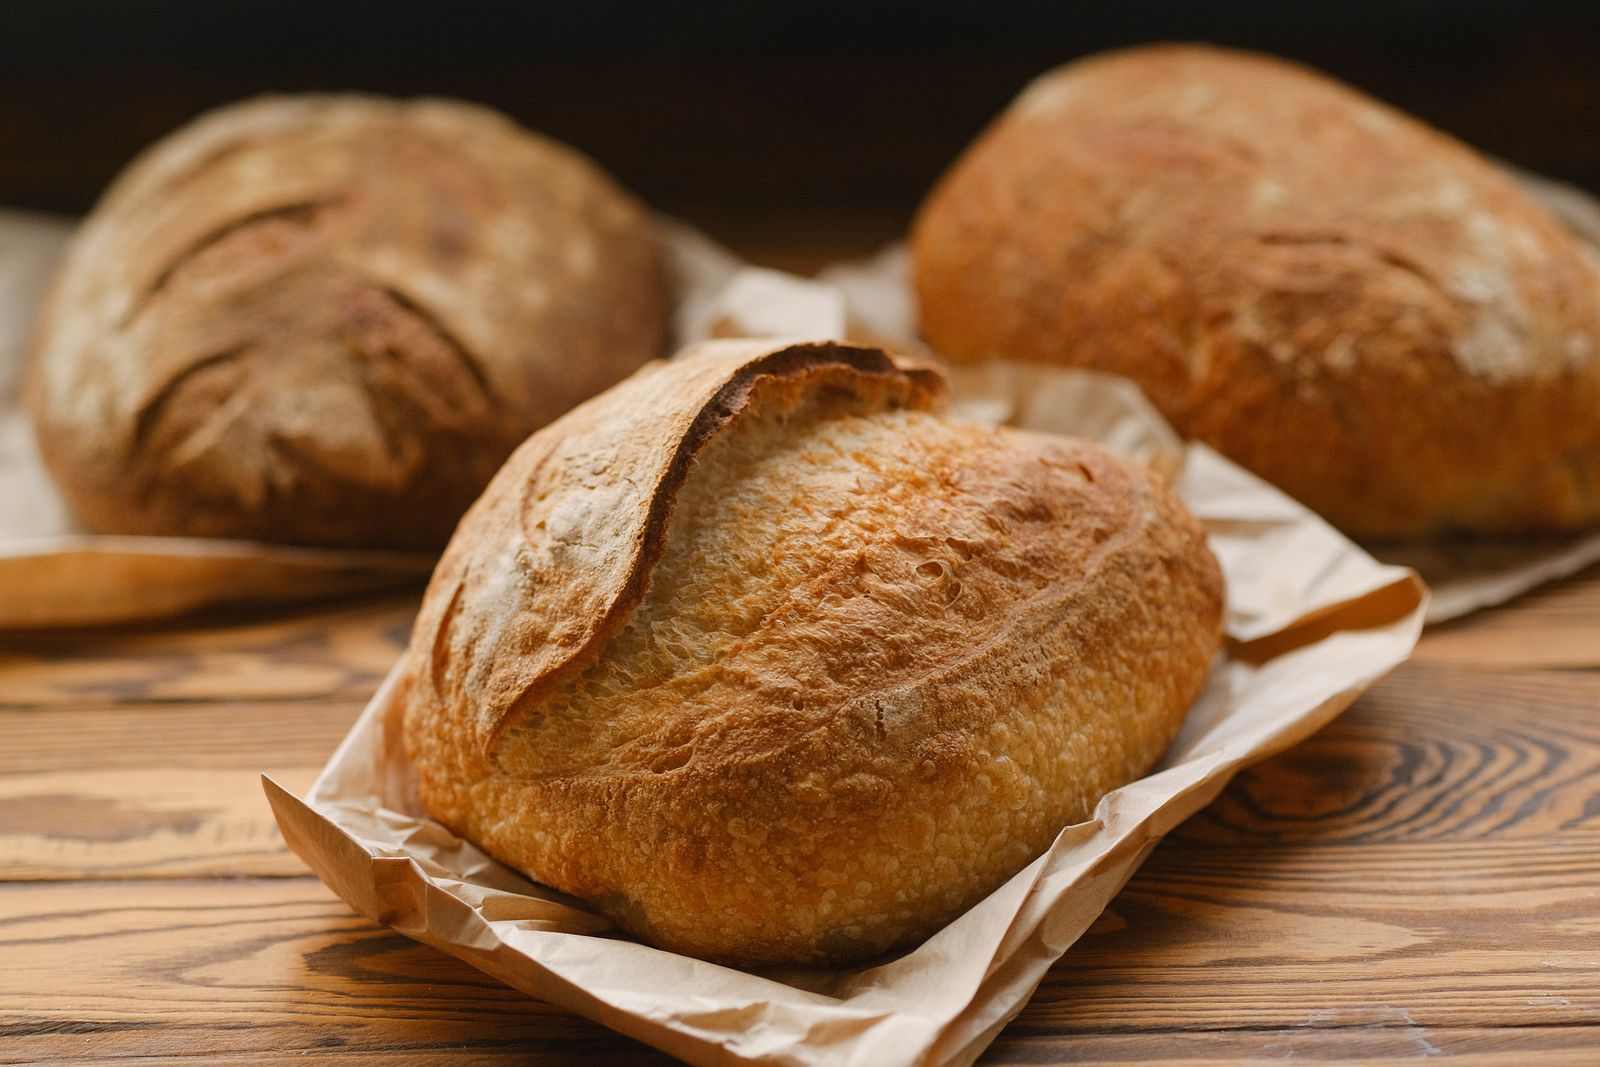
[
  {"x": 772, "y": 663},
  {"x": 1351, "y": 304},
  {"x": 329, "y": 319}
]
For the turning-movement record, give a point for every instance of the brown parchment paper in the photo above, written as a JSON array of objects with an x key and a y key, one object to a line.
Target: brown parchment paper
[
  {"x": 1464, "y": 575},
  {"x": 54, "y": 573},
  {"x": 1311, "y": 622}
]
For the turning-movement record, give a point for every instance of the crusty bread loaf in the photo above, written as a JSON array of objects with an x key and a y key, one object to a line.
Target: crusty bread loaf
[
  {"x": 329, "y": 319},
  {"x": 769, "y": 661},
  {"x": 1352, "y": 305}
]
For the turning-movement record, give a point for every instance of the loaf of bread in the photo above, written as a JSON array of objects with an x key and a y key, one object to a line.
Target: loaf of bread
[
  {"x": 329, "y": 319},
  {"x": 769, "y": 661},
  {"x": 1347, "y": 302}
]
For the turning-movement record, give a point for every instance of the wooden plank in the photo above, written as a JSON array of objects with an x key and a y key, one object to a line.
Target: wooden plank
[
  {"x": 1216, "y": 937},
  {"x": 338, "y": 652},
  {"x": 1370, "y": 1043},
  {"x": 1572, "y": 602},
  {"x": 143, "y": 822},
  {"x": 1557, "y": 625},
  {"x": 1430, "y": 754},
  {"x": 1207, "y": 939},
  {"x": 1379, "y": 1040},
  {"x": 248, "y": 735},
  {"x": 1433, "y": 754},
  {"x": 1529, "y": 647},
  {"x": 153, "y": 791},
  {"x": 245, "y": 968},
  {"x": 601, "y": 1050},
  {"x": 1420, "y": 875}
]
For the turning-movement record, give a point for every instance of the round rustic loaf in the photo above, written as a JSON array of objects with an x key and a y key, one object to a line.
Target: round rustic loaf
[
  {"x": 769, "y": 661},
  {"x": 329, "y": 319},
  {"x": 1347, "y": 302}
]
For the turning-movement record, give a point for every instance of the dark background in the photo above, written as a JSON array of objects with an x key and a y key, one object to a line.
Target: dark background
[{"x": 783, "y": 126}]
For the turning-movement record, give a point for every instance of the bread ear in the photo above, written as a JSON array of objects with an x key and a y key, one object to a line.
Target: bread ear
[{"x": 569, "y": 559}]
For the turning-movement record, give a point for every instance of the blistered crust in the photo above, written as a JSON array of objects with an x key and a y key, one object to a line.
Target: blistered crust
[
  {"x": 1349, "y": 303},
  {"x": 328, "y": 319},
  {"x": 550, "y": 561},
  {"x": 806, "y": 669}
]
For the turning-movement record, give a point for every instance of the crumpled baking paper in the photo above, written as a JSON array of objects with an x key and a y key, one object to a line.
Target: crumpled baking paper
[{"x": 1311, "y": 622}]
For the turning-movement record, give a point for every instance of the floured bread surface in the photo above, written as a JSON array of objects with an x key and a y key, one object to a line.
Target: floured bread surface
[
  {"x": 881, "y": 659},
  {"x": 1349, "y": 303},
  {"x": 329, "y": 319}
]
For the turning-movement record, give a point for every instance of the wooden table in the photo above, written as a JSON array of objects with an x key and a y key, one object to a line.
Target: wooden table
[{"x": 1421, "y": 878}]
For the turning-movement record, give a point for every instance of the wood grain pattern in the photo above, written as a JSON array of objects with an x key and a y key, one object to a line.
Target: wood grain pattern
[
  {"x": 155, "y": 790},
  {"x": 145, "y": 822},
  {"x": 1432, "y": 754},
  {"x": 1421, "y": 879},
  {"x": 1374, "y": 1037},
  {"x": 209, "y": 967},
  {"x": 1205, "y": 939},
  {"x": 332, "y": 653},
  {"x": 1557, "y": 626},
  {"x": 247, "y": 735}
]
